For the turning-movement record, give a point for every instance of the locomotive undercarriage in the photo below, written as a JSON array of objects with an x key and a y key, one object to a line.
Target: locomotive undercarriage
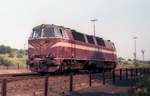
[
  {"x": 47, "y": 65},
  {"x": 99, "y": 66}
]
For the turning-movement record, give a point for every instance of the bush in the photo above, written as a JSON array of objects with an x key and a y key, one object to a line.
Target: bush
[
  {"x": 143, "y": 88},
  {"x": 5, "y": 62},
  {"x": 4, "y": 49},
  {"x": 19, "y": 56},
  {"x": 11, "y": 55}
]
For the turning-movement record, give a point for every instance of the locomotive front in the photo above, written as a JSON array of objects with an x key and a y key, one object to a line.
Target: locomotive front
[{"x": 41, "y": 55}]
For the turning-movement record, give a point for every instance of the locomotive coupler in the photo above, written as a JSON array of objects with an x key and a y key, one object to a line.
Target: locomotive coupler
[{"x": 49, "y": 60}]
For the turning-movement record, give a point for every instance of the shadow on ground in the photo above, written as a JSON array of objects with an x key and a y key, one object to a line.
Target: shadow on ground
[
  {"x": 98, "y": 94},
  {"x": 126, "y": 82},
  {"x": 119, "y": 88}
]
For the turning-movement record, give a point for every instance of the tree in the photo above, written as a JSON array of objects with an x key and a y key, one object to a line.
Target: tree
[
  {"x": 121, "y": 60},
  {"x": 19, "y": 56},
  {"x": 21, "y": 51},
  {"x": 4, "y": 49},
  {"x": 11, "y": 55},
  {"x": 4, "y": 62},
  {"x": 143, "y": 87}
]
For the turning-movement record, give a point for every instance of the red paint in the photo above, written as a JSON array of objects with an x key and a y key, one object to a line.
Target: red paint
[{"x": 39, "y": 49}]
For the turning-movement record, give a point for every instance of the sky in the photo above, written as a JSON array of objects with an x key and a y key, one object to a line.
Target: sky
[{"x": 118, "y": 21}]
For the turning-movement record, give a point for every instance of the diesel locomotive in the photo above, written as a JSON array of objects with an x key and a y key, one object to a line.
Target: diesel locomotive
[{"x": 54, "y": 48}]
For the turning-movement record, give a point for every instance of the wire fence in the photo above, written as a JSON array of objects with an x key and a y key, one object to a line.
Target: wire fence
[
  {"x": 17, "y": 66},
  {"x": 63, "y": 85}
]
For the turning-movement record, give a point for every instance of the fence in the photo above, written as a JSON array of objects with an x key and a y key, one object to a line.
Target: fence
[
  {"x": 17, "y": 66},
  {"x": 50, "y": 85}
]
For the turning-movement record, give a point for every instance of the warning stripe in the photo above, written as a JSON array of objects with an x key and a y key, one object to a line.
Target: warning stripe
[{"x": 82, "y": 47}]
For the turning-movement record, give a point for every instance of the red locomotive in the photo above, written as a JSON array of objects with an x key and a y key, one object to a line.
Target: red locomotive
[{"x": 56, "y": 48}]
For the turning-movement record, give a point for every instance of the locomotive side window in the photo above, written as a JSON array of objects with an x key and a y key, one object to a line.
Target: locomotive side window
[
  {"x": 31, "y": 36},
  {"x": 94, "y": 38},
  {"x": 78, "y": 36},
  {"x": 65, "y": 34},
  {"x": 59, "y": 32},
  {"x": 113, "y": 46},
  {"x": 48, "y": 32},
  {"x": 90, "y": 39},
  {"x": 100, "y": 41}
]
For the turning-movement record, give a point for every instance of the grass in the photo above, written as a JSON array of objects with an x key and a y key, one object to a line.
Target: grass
[
  {"x": 131, "y": 65},
  {"x": 12, "y": 61}
]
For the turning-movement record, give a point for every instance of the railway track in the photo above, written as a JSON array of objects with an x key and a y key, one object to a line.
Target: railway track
[
  {"x": 33, "y": 75},
  {"x": 43, "y": 74},
  {"x": 18, "y": 74}
]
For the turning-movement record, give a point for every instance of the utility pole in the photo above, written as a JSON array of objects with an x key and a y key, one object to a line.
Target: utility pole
[
  {"x": 135, "y": 49},
  {"x": 24, "y": 49},
  {"x": 94, "y": 20},
  {"x": 143, "y": 51}
]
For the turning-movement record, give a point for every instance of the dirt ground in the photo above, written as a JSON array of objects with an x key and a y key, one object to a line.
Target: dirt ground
[
  {"x": 12, "y": 71},
  {"x": 102, "y": 90},
  {"x": 120, "y": 88}
]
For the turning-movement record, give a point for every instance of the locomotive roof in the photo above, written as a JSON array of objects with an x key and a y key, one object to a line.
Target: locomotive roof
[
  {"x": 52, "y": 25},
  {"x": 48, "y": 26}
]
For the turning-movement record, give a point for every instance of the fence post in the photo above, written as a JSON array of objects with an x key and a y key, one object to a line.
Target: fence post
[
  {"x": 131, "y": 72},
  {"x": 136, "y": 72},
  {"x": 148, "y": 70},
  {"x": 126, "y": 73},
  {"x": 139, "y": 70},
  {"x": 114, "y": 76},
  {"x": 4, "y": 87},
  {"x": 27, "y": 66},
  {"x": 7, "y": 67},
  {"x": 144, "y": 71},
  {"x": 34, "y": 94},
  {"x": 90, "y": 79},
  {"x": 18, "y": 66},
  {"x": 71, "y": 81},
  {"x": 46, "y": 86},
  {"x": 103, "y": 77},
  {"x": 120, "y": 74}
]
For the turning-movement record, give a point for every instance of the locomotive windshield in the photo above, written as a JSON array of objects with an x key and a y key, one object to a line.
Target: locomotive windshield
[
  {"x": 36, "y": 34},
  {"x": 46, "y": 33}
]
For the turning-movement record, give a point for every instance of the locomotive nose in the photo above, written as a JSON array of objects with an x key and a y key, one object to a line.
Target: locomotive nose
[{"x": 38, "y": 46}]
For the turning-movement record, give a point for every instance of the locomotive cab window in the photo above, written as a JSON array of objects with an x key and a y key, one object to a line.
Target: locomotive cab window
[
  {"x": 58, "y": 32},
  {"x": 36, "y": 34},
  {"x": 48, "y": 32},
  {"x": 113, "y": 46}
]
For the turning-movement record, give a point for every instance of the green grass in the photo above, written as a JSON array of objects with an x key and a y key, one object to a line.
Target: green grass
[
  {"x": 131, "y": 65},
  {"x": 142, "y": 88},
  {"x": 5, "y": 60}
]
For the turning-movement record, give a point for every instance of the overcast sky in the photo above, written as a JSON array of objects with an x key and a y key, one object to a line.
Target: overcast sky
[{"x": 118, "y": 20}]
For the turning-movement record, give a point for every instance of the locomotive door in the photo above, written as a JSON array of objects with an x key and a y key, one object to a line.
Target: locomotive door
[
  {"x": 73, "y": 55},
  {"x": 73, "y": 50}
]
